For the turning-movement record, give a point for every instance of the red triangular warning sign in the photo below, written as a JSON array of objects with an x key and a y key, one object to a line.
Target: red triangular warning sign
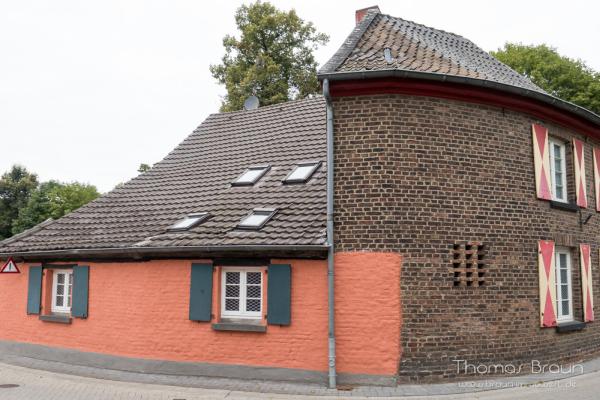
[{"x": 10, "y": 267}]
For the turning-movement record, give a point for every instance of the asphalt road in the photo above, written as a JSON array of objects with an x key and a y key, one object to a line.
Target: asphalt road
[{"x": 24, "y": 383}]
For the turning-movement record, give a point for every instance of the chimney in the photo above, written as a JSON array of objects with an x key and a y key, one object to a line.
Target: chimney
[{"x": 362, "y": 13}]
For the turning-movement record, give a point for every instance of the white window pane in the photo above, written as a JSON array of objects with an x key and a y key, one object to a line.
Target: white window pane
[
  {"x": 254, "y": 219},
  {"x": 251, "y": 175},
  {"x": 186, "y": 222},
  {"x": 301, "y": 172}
]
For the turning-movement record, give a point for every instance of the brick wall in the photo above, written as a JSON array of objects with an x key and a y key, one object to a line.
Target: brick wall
[
  {"x": 141, "y": 309},
  {"x": 416, "y": 175}
]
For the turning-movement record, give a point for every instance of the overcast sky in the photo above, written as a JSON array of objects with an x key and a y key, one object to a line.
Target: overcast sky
[{"x": 91, "y": 89}]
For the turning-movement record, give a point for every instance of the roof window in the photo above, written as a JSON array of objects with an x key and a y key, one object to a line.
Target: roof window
[
  {"x": 257, "y": 218},
  {"x": 302, "y": 172},
  {"x": 189, "y": 221},
  {"x": 251, "y": 175}
]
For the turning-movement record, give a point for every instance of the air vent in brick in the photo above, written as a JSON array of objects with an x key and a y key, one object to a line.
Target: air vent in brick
[{"x": 469, "y": 264}]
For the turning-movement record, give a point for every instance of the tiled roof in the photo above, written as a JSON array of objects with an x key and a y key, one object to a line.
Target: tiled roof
[
  {"x": 415, "y": 47},
  {"x": 197, "y": 176}
]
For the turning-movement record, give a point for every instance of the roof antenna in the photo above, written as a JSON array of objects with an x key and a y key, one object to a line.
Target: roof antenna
[{"x": 251, "y": 103}]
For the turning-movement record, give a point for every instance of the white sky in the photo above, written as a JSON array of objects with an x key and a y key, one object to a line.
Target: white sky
[{"x": 91, "y": 89}]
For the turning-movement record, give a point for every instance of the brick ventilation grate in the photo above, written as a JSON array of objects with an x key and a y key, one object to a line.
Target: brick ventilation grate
[{"x": 469, "y": 264}]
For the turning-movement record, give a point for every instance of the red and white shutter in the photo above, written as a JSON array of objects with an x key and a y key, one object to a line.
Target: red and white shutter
[
  {"x": 586, "y": 282},
  {"x": 547, "y": 283},
  {"x": 597, "y": 176},
  {"x": 541, "y": 160},
  {"x": 579, "y": 163}
]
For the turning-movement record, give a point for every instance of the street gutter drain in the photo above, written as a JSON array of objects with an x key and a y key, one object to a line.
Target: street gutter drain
[{"x": 8, "y": 386}]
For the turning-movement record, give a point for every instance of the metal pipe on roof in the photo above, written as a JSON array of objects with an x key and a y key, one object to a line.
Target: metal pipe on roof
[{"x": 330, "y": 249}]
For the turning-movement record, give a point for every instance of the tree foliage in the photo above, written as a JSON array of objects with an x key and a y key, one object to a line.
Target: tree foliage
[
  {"x": 52, "y": 200},
  {"x": 16, "y": 186},
  {"x": 272, "y": 59},
  {"x": 563, "y": 77},
  {"x": 144, "y": 168}
]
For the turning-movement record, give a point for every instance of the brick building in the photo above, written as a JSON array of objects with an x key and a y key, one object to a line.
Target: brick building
[{"x": 465, "y": 227}]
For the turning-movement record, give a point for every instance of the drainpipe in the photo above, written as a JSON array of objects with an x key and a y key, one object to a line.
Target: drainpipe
[{"x": 330, "y": 250}]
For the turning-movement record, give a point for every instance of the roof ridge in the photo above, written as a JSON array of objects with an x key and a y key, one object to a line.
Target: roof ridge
[
  {"x": 350, "y": 43},
  {"x": 269, "y": 106},
  {"x": 428, "y": 27}
]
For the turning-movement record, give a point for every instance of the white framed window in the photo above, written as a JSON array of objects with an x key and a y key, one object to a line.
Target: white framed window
[
  {"x": 241, "y": 292},
  {"x": 558, "y": 170},
  {"x": 302, "y": 172},
  {"x": 251, "y": 175},
  {"x": 62, "y": 290},
  {"x": 564, "y": 295}
]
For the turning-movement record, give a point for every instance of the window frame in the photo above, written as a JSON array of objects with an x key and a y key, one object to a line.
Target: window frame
[
  {"x": 201, "y": 217},
  {"x": 563, "y": 150},
  {"x": 314, "y": 167},
  {"x": 265, "y": 168},
  {"x": 243, "y": 295},
  {"x": 268, "y": 212},
  {"x": 558, "y": 282},
  {"x": 61, "y": 309}
]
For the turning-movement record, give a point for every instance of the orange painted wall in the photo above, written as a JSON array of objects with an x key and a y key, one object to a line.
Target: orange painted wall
[{"x": 140, "y": 309}]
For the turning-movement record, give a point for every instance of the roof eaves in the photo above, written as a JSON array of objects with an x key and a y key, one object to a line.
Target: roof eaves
[
  {"x": 27, "y": 232},
  {"x": 433, "y": 76}
]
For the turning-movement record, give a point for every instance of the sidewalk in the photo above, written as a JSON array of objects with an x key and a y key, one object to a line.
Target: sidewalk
[
  {"x": 19, "y": 383},
  {"x": 260, "y": 388}
]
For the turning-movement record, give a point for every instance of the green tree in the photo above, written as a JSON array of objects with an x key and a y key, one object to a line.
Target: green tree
[
  {"x": 16, "y": 186},
  {"x": 273, "y": 58},
  {"x": 143, "y": 168},
  {"x": 53, "y": 200},
  {"x": 563, "y": 77}
]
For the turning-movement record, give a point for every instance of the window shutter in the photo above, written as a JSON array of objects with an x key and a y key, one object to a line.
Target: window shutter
[
  {"x": 579, "y": 163},
  {"x": 541, "y": 160},
  {"x": 34, "y": 291},
  {"x": 547, "y": 283},
  {"x": 586, "y": 282},
  {"x": 201, "y": 292},
  {"x": 279, "y": 294},
  {"x": 81, "y": 281},
  {"x": 597, "y": 176}
]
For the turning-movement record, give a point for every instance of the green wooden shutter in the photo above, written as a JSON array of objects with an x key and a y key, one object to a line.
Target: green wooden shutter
[
  {"x": 81, "y": 275},
  {"x": 201, "y": 292},
  {"x": 34, "y": 292},
  {"x": 279, "y": 297}
]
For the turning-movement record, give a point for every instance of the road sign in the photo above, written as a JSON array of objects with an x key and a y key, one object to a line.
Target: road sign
[{"x": 10, "y": 267}]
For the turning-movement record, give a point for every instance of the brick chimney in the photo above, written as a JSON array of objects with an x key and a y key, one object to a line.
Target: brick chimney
[{"x": 360, "y": 14}]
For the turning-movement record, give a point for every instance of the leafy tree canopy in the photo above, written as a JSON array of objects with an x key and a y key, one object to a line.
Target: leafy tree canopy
[
  {"x": 272, "y": 59},
  {"x": 52, "y": 200},
  {"x": 563, "y": 77},
  {"x": 143, "y": 168},
  {"x": 16, "y": 186}
]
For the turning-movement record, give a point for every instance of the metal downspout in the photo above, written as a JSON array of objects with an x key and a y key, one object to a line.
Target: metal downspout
[{"x": 330, "y": 250}]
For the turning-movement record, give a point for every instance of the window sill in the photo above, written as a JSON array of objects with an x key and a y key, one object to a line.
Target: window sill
[
  {"x": 60, "y": 319},
  {"x": 570, "y": 326},
  {"x": 239, "y": 326},
  {"x": 561, "y": 205}
]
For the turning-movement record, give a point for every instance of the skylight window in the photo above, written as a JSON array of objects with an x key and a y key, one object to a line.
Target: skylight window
[
  {"x": 251, "y": 175},
  {"x": 257, "y": 218},
  {"x": 302, "y": 172},
  {"x": 189, "y": 222}
]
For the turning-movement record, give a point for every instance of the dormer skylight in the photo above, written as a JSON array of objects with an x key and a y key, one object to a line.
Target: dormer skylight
[
  {"x": 257, "y": 218},
  {"x": 302, "y": 172},
  {"x": 251, "y": 175},
  {"x": 189, "y": 221}
]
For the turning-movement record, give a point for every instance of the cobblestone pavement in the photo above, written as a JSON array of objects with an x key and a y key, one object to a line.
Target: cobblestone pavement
[{"x": 18, "y": 383}]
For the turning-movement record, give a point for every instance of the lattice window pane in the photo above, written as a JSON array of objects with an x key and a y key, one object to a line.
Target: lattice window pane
[
  {"x": 233, "y": 277},
  {"x": 254, "y": 291},
  {"x": 253, "y": 305},
  {"x": 232, "y": 304},
  {"x": 60, "y": 288},
  {"x": 60, "y": 279},
  {"x": 59, "y": 301},
  {"x": 565, "y": 307},
  {"x": 232, "y": 291},
  {"x": 253, "y": 278}
]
